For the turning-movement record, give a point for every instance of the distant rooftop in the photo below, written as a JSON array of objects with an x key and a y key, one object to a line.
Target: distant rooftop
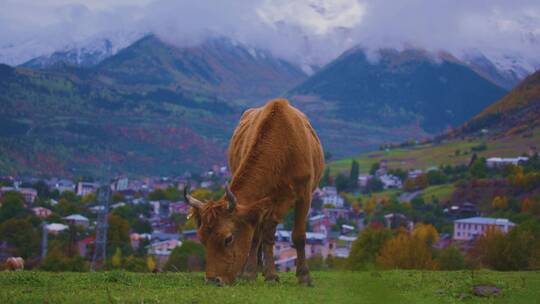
[
  {"x": 486, "y": 221},
  {"x": 76, "y": 217}
]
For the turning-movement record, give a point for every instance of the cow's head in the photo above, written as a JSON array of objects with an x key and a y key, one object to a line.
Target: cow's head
[{"x": 226, "y": 230}]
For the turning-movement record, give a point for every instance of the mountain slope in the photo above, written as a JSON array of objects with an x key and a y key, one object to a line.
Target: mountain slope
[
  {"x": 516, "y": 112},
  {"x": 57, "y": 123},
  {"x": 151, "y": 108},
  {"x": 217, "y": 66},
  {"x": 400, "y": 95}
]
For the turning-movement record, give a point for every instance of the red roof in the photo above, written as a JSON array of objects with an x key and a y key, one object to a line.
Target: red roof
[{"x": 88, "y": 240}]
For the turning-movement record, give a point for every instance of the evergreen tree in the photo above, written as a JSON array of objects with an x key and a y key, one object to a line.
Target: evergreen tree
[{"x": 355, "y": 172}]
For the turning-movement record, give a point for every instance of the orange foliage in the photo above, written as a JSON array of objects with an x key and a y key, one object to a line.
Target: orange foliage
[{"x": 406, "y": 252}]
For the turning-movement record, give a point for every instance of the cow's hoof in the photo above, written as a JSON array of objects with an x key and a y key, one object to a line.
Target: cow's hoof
[
  {"x": 274, "y": 278},
  {"x": 305, "y": 280}
]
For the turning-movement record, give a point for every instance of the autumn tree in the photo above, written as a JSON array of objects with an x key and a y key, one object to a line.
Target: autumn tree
[
  {"x": 405, "y": 252},
  {"x": 370, "y": 205},
  {"x": 150, "y": 263},
  {"x": 117, "y": 259},
  {"x": 426, "y": 233},
  {"x": 499, "y": 203},
  {"x": 90, "y": 198},
  {"x": 366, "y": 247},
  {"x": 421, "y": 181},
  {"x": 409, "y": 185},
  {"x": 512, "y": 251}
]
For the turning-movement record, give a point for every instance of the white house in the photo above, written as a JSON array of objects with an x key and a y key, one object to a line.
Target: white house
[
  {"x": 334, "y": 200},
  {"x": 121, "y": 183},
  {"x": 41, "y": 212},
  {"x": 61, "y": 185},
  {"x": 499, "y": 161},
  {"x": 415, "y": 173},
  {"x": 330, "y": 197},
  {"x": 163, "y": 247},
  {"x": 29, "y": 194},
  {"x": 329, "y": 191},
  {"x": 77, "y": 219},
  {"x": 84, "y": 188},
  {"x": 363, "y": 180},
  {"x": 470, "y": 228},
  {"x": 56, "y": 228},
  {"x": 390, "y": 181}
]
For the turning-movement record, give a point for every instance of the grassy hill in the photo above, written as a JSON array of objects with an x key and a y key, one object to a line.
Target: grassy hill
[
  {"x": 330, "y": 287},
  {"x": 449, "y": 152}
]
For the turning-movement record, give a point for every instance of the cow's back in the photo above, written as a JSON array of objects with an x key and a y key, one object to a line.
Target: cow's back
[{"x": 274, "y": 147}]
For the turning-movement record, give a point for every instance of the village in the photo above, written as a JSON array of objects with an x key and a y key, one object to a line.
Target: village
[{"x": 157, "y": 213}]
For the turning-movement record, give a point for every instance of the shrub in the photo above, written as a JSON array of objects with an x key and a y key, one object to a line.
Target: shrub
[
  {"x": 188, "y": 257},
  {"x": 450, "y": 258},
  {"x": 135, "y": 264},
  {"x": 56, "y": 261}
]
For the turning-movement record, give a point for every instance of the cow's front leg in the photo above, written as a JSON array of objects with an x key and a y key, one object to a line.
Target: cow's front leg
[
  {"x": 251, "y": 268},
  {"x": 299, "y": 240},
  {"x": 268, "y": 240}
]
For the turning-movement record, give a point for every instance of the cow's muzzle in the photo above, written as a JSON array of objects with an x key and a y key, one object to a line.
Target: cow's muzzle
[{"x": 217, "y": 281}]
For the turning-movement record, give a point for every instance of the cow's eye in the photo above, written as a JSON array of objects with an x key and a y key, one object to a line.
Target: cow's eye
[{"x": 229, "y": 240}]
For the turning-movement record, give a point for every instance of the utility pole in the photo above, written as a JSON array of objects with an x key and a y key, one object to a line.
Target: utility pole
[
  {"x": 44, "y": 240},
  {"x": 100, "y": 251},
  {"x": 103, "y": 198}
]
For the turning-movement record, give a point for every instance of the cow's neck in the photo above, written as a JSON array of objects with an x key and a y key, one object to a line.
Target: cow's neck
[{"x": 247, "y": 193}]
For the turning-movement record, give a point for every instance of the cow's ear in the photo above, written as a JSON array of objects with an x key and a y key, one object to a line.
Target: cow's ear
[{"x": 254, "y": 213}]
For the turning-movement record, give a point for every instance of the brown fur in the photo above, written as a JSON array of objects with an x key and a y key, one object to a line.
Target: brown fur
[
  {"x": 14, "y": 264},
  {"x": 276, "y": 161}
]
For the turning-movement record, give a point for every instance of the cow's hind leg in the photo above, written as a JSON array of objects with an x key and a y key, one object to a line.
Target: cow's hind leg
[
  {"x": 299, "y": 238},
  {"x": 268, "y": 240}
]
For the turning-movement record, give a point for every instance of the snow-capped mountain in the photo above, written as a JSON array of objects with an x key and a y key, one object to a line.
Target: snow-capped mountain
[
  {"x": 84, "y": 52},
  {"x": 503, "y": 68}
]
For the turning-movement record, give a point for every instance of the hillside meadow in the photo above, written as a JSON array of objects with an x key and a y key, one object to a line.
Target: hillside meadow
[
  {"x": 330, "y": 287},
  {"x": 453, "y": 152}
]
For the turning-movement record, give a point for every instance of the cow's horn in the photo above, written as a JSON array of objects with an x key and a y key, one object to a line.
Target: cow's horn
[
  {"x": 190, "y": 199},
  {"x": 231, "y": 199}
]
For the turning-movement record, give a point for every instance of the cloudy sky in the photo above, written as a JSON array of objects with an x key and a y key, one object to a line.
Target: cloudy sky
[{"x": 312, "y": 31}]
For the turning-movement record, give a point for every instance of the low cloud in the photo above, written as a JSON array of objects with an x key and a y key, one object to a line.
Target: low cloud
[{"x": 303, "y": 31}]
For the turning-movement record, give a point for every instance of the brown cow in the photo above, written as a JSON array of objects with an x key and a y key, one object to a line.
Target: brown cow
[
  {"x": 276, "y": 161},
  {"x": 14, "y": 263}
]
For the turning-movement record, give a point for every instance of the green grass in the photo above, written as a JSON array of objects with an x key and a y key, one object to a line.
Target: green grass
[
  {"x": 330, "y": 287},
  {"x": 429, "y": 155},
  {"x": 441, "y": 192}
]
